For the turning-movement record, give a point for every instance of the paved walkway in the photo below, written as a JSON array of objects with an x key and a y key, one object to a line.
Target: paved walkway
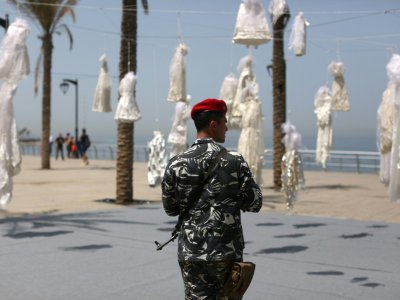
[
  {"x": 71, "y": 187},
  {"x": 58, "y": 241}
]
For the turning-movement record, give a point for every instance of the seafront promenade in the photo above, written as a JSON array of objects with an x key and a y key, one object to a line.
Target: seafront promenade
[
  {"x": 63, "y": 238},
  {"x": 69, "y": 186}
]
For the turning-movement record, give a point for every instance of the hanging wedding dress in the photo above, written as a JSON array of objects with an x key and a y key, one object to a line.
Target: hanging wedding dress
[
  {"x": 292, "y": 166},
  {"x": 14, "y": 66},
  {"x": 323, "y": 108},
  {"x": 177, "y": 75},
  {"x": 340, "y": 99},
  {"x": 178, "y": 134},
  {"x": 102, "y": 95},
  {"x": 14, "y": 59},
  {"x": 393, "y": 70},
  {"x": 298, "y": 36},
  {"x": 277, "y": 8},
  {"x": 246, "y": 79},
  {"x": 251, "y": 27},
  {"x": 157, "y": 159},
  {"x": 10, "y": 156},
  {"x": 251, "y": 139},
  {"x": 228, "y": 92},
  {"x": 385, "y": 132},
  {"x": 127, "y": 110}
]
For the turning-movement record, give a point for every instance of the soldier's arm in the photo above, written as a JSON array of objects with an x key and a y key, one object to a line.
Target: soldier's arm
[
  {"x": 170, "y": 202},
  {"x": 251, "y": 195}
]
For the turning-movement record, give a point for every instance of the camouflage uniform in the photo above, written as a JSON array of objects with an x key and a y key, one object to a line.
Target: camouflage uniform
[{"x": 211, "y": 235}]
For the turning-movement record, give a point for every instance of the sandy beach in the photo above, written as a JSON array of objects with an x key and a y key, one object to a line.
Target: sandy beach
[{"x": 71, "y": 187}]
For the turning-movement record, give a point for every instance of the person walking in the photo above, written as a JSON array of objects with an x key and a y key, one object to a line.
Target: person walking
[
  {"x": 208, "y": 186},
  {"x": 84, "y": 144},
  {"x": 51, "y": 140},
  {"x": 60, "y": 146},
  {"x": 69, "y": 144}
]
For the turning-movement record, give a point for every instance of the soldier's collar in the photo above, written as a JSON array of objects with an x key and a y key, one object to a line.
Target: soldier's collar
[{"x": 203, "y": 141}]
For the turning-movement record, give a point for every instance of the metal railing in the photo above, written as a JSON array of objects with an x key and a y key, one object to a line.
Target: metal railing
[{"x": 341, "y": 161}]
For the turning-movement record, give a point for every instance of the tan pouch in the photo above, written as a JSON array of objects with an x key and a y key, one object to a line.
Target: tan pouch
[{"x": 239, "y": 279}]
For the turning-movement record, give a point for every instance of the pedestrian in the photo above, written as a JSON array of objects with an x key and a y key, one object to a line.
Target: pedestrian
[
  {"x": 60, "y": 146},
  {"x": 207, "y": 186},
  {"x": 51, "y": 140},
  {"x": 84, "y": 146},
  {"x": 68, "y": 142},
  {"x": 74, "y": 149}
]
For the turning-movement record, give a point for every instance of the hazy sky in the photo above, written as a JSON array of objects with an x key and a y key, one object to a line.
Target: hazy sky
[{"x": 363, "y": 34}]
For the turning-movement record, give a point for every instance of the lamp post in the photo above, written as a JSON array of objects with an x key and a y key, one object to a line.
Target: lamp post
[{"x": 64, "y": 86}]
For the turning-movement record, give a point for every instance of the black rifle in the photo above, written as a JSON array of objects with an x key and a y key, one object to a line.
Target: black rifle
[{"x": 175, "y": 233}]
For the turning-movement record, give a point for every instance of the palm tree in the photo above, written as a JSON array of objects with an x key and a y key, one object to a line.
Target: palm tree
[
  {"x": 49, "y": 15},
  {"x": 127, "y": 62},
  {"x": 279, "y": 95}
]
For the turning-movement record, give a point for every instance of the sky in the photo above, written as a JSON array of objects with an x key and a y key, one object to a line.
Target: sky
[{"x": 363, "y": 34}]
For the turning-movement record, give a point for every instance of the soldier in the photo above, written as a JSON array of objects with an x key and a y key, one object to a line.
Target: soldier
[{"x": 208, "y": 203}]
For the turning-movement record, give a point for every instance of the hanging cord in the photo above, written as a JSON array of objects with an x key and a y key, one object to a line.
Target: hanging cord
[
  {"x": 328, "y": 54},
  {"x": 338, "y": 50},
  {"x": 155, "y": 88},
  {"x": 179, "y": 27},
  {"x": 18, "y": 9}
]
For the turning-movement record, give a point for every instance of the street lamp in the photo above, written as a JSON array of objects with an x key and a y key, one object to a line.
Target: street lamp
[
  {"x": 64, "y": 86},
  {"x": 5, "y": 22}
]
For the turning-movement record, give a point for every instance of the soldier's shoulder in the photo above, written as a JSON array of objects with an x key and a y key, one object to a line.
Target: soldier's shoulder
[{"x": 234, "y": 155}]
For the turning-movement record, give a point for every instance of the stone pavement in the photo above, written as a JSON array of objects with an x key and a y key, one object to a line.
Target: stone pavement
[
  {"x": 110, "y": 254},
  {"x": 61, "y": 240}
]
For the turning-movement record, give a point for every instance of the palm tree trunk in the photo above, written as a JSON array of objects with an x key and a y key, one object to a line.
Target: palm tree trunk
[
  {"x": 279, "y": 98},
  {"x": 47, "y": 48},
  {"x": 125, "y": 142}
]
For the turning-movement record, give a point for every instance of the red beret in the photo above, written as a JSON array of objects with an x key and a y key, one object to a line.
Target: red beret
[{"x": 207, "y": 105}]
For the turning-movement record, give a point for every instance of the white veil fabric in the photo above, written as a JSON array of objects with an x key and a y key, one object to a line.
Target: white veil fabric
[
  {"x": 228, "y": 92},
  {"x": 339, "y": 92},
  {"x": 385, "y": 132},
  {"x": 157, "y": 159},
  {"x": 323, "y": 108},
  {"x": 277, "y": 8},
  {"x": 246, "y": 80},
  {"x": 14, "y": 58},
  {"x": 177, "y": 75},
  {"x": 292, "y": 167},
  {"x": 10, "y": 156},
  {"x": 298, "y": 35},
  {"x": 251, "y": 139},
  {"x": 251, "y": 27},
  {"x": 14, "y": 66},
  {"x": 102, "y": 95},
  {"x": 178, "y": 134},
  {"x": 393, "y": 71},
  {"x": 127, "y": 110}
]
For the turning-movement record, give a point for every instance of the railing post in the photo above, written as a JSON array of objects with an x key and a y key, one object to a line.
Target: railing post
[
  {"x": 146, "y": 154},
  {"x": 95, "y": 152},
  {"x": 111, "y": 153},
  {"x": 358, "y": 163}
]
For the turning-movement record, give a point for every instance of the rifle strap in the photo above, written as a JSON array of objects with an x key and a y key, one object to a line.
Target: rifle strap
[{"x": 210, "y": 170}]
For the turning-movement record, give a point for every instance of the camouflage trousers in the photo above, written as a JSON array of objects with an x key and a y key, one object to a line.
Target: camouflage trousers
[{"x": 204, "y": 280}]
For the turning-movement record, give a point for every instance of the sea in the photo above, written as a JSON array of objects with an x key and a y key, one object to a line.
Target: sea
[{"x": 348, "y": 154}]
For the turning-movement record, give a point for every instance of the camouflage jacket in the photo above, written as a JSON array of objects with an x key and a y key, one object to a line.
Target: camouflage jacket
[{"x": 212, "y": 230}]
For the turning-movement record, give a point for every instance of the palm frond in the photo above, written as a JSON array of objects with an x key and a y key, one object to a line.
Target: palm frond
[
  {"x": 69, "y": 33},
  {"x": 145, "y": 5},
  {"x": 65, "y": 9}
]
